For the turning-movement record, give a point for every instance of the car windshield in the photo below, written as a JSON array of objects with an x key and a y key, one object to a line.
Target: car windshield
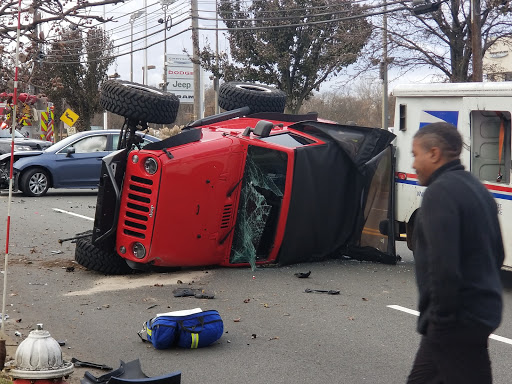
[{"x": 6, "y": 134}]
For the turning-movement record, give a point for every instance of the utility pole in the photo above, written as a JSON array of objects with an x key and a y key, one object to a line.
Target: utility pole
[
  {"x": 164, "y": 88},
  {"x": 384, "y": 68},
  {"x": 105, "y": 113},
  {"x": 133, "y": 16},
  {"x": 165, "y": 6},
  {"x": 216, "y": 78},
  {"x": 145, "y": 73},
  {"x": 476, "y": 40},
  {"x": 198, "y": 113}
]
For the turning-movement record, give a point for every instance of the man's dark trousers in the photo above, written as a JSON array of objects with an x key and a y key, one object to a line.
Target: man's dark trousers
[{"x": 456, "y": 355}]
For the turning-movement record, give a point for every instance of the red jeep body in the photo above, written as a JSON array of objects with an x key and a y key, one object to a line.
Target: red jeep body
[
  {"x": 193, "y": 198},
  {"x": 238, "y": 190}
]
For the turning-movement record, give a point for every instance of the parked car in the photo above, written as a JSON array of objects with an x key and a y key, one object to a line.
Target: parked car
[
  {"x": 21, "y": 143},
  {"x": 74, "y": 162}
]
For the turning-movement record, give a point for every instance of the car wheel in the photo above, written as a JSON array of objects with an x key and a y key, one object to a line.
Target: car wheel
[
  {"x": 139, "y": 102},
  {"x": 260, "y": 98},
  {"x": 96, "y": 259},
  {"x": 35, "y": 182}
]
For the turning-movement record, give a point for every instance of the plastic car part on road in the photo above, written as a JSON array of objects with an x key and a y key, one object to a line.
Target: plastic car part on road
[
  {"x": 260, "y": 98},
  {"x": 91, "y": 257},
  {"x": 139, "y": 102}
]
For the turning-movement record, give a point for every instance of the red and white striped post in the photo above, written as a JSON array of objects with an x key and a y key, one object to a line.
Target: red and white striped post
[{"x": 13, "y": 128}]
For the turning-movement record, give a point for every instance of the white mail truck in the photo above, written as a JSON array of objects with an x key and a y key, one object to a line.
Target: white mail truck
[{"x": 481, "y": 112}]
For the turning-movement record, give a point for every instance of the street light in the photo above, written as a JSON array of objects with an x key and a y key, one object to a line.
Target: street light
[
  {"x": 133, "y": 16},
  {"x": 144, "y": 71}
]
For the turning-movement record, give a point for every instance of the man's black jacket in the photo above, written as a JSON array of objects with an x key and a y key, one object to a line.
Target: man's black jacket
[{"x": 458, "y": 252}]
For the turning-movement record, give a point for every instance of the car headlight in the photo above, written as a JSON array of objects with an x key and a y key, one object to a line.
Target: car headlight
[
  {"x": 139, "y": 251},
  {"x": 21, "y": 147},
  {"x": 150, "y": 165}
]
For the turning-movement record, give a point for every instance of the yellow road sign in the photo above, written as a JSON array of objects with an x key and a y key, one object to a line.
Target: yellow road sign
[{"x": 69, "y": 117}]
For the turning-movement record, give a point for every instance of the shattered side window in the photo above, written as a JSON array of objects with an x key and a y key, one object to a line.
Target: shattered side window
[{"x": 260, "y": 205}]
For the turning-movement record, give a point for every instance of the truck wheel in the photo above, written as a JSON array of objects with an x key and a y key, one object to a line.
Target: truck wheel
[
  {"x": 91, "y": 257},
  {"x": 35, "y": 182},
  {"x": 260, "y": 98},
  {"x": 139, "y": 102},
  {"x": 409, "y": 230}
]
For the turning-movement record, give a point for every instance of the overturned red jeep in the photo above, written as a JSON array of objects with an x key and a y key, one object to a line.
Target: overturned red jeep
[{"x": 246, "y": 187}]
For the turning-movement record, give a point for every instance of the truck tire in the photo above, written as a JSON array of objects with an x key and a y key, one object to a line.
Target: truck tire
[
  {"x": 139, "y": 102},
  {"x": 409, "y": 231},
  {"x": 34, "y": 182},
  {"x": 93, "y": 258},
  {"x": 260, "y": 98}
]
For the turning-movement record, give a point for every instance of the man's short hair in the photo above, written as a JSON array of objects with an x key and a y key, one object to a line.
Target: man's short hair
[{"x": 443, "y": 136}]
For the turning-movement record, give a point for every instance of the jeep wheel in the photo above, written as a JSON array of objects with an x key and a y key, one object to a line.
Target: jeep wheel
[
  {"x": 260, "y": 98},
  {"x": 34, "y": 182},
  {"x": 91, "y": 257},
  {"x": 139, "y": 102}
]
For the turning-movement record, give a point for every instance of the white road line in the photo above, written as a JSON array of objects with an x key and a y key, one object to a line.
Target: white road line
[
  {"x": 416, "y": 313},
  {"x": 403, "y": 309},
  {"x": 73, "y": 214}
]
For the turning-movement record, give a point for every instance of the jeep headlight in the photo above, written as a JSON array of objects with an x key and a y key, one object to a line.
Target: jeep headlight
[
  {"x": 18, "y": 147},
  {"x": 139, "y": 251},
  {"x": 150, "y": 165}
]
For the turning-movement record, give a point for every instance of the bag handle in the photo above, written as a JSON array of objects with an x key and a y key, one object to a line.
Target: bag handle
[{"x": 193, "y": 329}]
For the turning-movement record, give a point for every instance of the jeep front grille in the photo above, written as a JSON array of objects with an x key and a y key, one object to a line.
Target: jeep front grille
[{"x": 138, "y": 207}]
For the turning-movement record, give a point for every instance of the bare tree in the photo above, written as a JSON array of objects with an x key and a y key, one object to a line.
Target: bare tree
[
  {"x": 360, "y": 105},
  {"x": 53, "y": 14},
  {"x": 441, "y": 40},
  {"x": 77, "y": 65}
]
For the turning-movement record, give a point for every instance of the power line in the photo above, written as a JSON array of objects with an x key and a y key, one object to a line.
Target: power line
[
  {"x": 237, "y": 29},
  {"x": 327, "y": 21}
]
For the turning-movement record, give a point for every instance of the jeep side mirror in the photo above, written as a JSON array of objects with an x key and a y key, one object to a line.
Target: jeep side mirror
[{"x": 263, "y": 128}]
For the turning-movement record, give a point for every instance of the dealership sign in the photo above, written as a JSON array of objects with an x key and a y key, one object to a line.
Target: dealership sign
[{"x": 180, "y": 77}]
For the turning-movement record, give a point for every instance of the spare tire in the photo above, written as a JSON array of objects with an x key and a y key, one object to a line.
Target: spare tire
[
  {"x": 96, "y": 259},
  {"x": 139, "y": 102},
  {"x": 260, "y": 98}
]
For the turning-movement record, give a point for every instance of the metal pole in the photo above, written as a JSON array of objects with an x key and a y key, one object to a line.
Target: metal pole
[
  {"x": 216, "y": 78},
  {"x": 145, "y": 74},
  {"x": 105, "y": 113},
  {"x": 197, "y": 67},
  {"x": 13, "y": 129},
  {"x": 131, "y": 51},
  {"x": 476, "y": 40},
  {"x": 384, "y": 74},
  {"x": 165, "y": 49}
]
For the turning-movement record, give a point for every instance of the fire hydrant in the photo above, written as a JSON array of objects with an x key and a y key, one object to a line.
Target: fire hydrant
[{"x": 38, "y": 360}]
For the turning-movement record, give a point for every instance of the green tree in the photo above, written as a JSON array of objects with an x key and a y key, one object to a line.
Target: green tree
[
  {"x": 73, "y": 70},
  {"x": 441, "y": 40},
  {"x": 292, "y": 44}
]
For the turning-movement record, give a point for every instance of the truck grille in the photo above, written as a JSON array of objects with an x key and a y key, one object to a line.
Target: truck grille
[
  {"x": 227, "y": 214},
  {"x": 138, "y": 207}
]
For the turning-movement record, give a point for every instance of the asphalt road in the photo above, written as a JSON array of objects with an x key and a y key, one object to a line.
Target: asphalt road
[{"x": 281, "y": 334}]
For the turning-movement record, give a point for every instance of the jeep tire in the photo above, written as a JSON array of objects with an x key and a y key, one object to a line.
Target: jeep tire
[
  {"x": 260, "y": 98},
  {"x": 96, "y": 259},
  {"x": 139, "y": 102}
]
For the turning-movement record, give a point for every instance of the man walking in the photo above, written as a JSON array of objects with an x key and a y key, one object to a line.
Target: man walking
[{"x": 458, "y": 254}]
